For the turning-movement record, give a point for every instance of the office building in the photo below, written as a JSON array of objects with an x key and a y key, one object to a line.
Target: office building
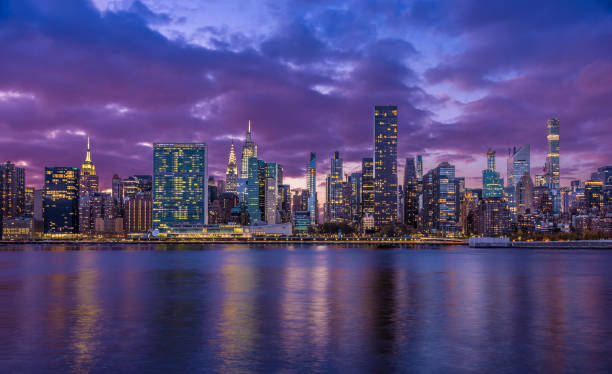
[
  {"x": 493, "y": 218},
  {"x": 248, "y": 150},
  {"x": 138, "y": 213},
  {"x": 335, "y": 200},
  {"x": 311, "y": 184},
  {"x": 180, "y": 186},
  {"x": 385, "y": 165},
  {"x": 367, "y": 186},
  {"x": 256, "y": 190},
  {"x": 492, "y": 183},
  {"x": 411, "y": 194},
  {"x": 439, "y": 212},
  {"x": 524, "y": 195},
  {"x": 231, "y": 174},
  {"x": 271, "y": 194},
  {"x": 12, "y": 191},
  {"x": 61, "y": 201}
]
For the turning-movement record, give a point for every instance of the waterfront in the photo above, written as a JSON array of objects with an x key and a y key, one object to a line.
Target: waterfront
[{"x": 296, "y": 308}]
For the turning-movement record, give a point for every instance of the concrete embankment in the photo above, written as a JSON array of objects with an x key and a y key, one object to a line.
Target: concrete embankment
[{"x": 568, "y": 244}]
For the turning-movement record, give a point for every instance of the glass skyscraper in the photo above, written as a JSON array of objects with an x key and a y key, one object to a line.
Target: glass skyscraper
[
  {"x": 180, "y": 186},
  {"x": 552, "y": 157},
  {"x": 311, "y": 182},
  {"x": 335, "y": 200},
  {"x": 61, "y": 200},
  {"x": 492, "y": 184},
  {"x": 256, "y": 190},
  {"x": 411, "y": 194},
  {"x": 385, "y": 165},
  {"x": 519, "y": 163}
]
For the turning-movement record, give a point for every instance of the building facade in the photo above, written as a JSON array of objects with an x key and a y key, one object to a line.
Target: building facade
[
  {"x": 385, "y": 165},
  {"x": 180, "y": 185},
  {"x": 61, "y": 201}
]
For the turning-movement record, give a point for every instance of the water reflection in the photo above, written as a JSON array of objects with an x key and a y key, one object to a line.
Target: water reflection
[{"x": 308, "y": 309}]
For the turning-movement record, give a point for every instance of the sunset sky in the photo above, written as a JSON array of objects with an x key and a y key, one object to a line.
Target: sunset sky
[{"x": 466, "y": 75}]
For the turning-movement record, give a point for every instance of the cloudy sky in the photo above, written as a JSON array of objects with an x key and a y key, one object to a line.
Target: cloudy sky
[{"x": 466, "y": 75}]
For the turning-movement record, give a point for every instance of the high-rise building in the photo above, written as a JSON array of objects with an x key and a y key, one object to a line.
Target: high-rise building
[
  {"x": 552, "y": 157},
  {"x": 311, "y": 184},
  {"x": 411, "y": 194},
  {"x": 88, "y": 184},
  {"x": 355, "y": 198},
  {"x": 367, "y": 186},
  {"x": 256, "y": 190},
  {"x": 231, "y": 175},
  {"x": 385, "y": 165},
  {"x": 493, "y": 218},
  {"x": 248, "y": 150},
  {"x": 12, "y": 191},
  {"x": 284, "y": 202},
  {"x": 540, "y": 180},
  {"x": 419, "y": 167},
  {"x": 271, "y": 197},
  {"x": 492, "y": 184},
  {"x": 518, "y": 163},
  {"x": 138, "y": 213},
  {"x": 61, "y": 200},
  {"x": 594, "y": 194},
  {"x": 135, "y": 185},
  {"x": 335, "y": 201},
  {"x": 29, "y": 202},
  {"x": 439, "y": 199},
  {"x": 469, "y": 211},
  {"x": 553, "y": 180},
  {"x": 180, "y": 186},
  {"x": 524, "y": 195}
]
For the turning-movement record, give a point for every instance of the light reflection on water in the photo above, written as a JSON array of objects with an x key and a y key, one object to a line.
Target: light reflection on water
[{"x": 269, "y": 309}]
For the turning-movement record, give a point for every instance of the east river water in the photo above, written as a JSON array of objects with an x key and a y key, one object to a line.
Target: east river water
[{"x": 297, "y": 309}]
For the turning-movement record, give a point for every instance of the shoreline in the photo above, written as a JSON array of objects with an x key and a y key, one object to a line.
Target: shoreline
[{"x": 381, "y": 243}]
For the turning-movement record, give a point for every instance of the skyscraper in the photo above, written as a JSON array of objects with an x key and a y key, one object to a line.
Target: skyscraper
[
  {"x": 492, "y": 184},
  {"x": 88, "y": 184},
  {"x": 411, "y": 194},
  {"x": 180, "y": 186},
  {"x": 311, "y": 182},
  {"x": 231, "y": 175},
  {"x": 439, "y": 199},
  {"x": 256, "y": 190},
  {"x": 12, "y": 192},
  {"x": 271, "y": 197},
  {"x": 61, "y": 200},
  {"x": 419, "y": 167},
  {"x": 367, "y": 186},
  {"x": 385, "y": 165},
  {"x": 355, "y": 198},
  {"x": 553, "y": 181},
  {"x": 552, "y": 157},
  {"x": 335, "y": 200},
  {"x": 518, "y": 163},
  {"x": 248, "y": 150},
  {"x": 524, "y": 195}
]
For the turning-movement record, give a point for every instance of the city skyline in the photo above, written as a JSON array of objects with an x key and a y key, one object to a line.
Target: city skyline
[{"x": 451, "y": 113}]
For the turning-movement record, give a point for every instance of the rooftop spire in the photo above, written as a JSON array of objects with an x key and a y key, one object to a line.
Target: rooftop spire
[
  {"x": 88, "y": 155},
  {"x": 249, "y": 125}
]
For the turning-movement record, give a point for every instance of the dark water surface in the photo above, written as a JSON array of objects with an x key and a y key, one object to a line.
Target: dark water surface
[{"x": 148, "y": 309}]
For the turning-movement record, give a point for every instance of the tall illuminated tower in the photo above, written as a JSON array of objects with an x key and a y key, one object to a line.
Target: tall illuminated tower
[
  {"x": 88, "y": 184},
  {"x": 311, "y": 182},
  {"x": 385, "y": 165},
  {"x": 231, "y": 175},
  {"x": 552, "y": 157},
  {"x": 335, "y": 200},
  {"x": 248, "y": 150},
  {"x": 180, "y": 186}
]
